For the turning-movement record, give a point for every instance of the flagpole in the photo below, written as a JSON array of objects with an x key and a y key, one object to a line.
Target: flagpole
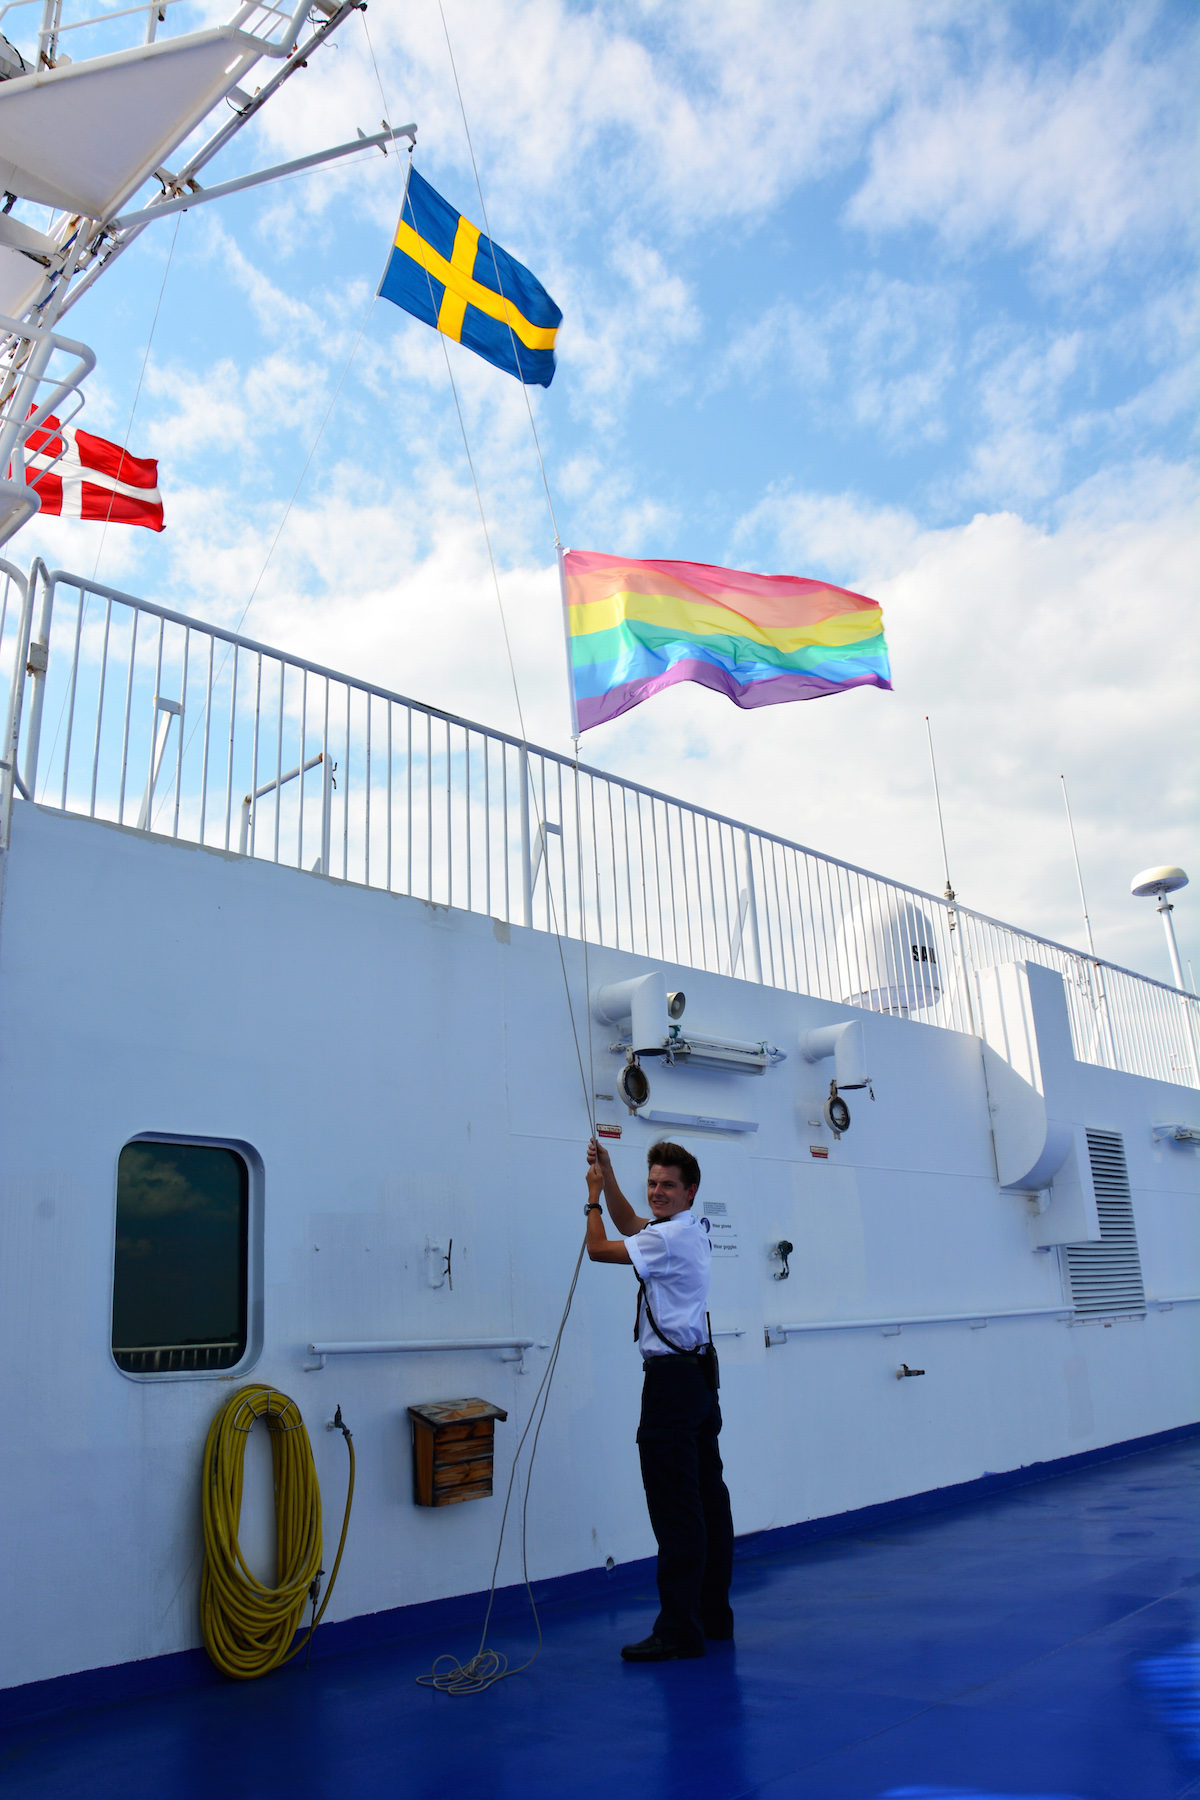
[{"x": 566, "y": 618}]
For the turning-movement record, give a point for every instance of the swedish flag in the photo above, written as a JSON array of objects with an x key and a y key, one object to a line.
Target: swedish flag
[{"x": 443, "y": 271}]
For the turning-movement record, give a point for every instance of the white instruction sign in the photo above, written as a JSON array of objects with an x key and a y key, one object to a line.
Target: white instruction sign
[{"x": 715, "y": 1220}]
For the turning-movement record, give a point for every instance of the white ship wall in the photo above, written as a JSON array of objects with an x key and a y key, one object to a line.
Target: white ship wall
[{"x": 407, "y": 1073}]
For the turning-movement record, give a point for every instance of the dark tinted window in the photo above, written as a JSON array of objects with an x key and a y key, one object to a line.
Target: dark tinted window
[{"x": 179, "y": 1281}]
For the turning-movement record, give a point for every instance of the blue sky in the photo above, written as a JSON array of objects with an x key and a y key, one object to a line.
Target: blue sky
[{"x": 899, "y": 294}]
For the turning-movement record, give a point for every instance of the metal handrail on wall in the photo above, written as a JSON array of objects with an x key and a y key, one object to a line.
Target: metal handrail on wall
[{"x": 145, "y": 717}]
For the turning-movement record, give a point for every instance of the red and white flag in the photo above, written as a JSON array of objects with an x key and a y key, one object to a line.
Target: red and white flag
[{"x": 80, "y": 476}]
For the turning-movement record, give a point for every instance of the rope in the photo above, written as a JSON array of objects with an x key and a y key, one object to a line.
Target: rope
[
  {"x": 248, "y": 1628},
  {"x": 496, "y": 269},
  {"x": 487, "y": 1667},
  {"x": 512, "y": 669},
  {"x": 138, "y": 390}
]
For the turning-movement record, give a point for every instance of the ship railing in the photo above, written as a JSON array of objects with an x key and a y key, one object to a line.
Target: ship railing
[
  {"x": 41, "y": 379},
  {"x": 144, "y": 717},
  {"x": 274, "y": 26}
]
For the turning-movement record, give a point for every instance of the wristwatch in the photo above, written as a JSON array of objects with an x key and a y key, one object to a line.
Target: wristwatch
[{"x": 593, "y": 1206}]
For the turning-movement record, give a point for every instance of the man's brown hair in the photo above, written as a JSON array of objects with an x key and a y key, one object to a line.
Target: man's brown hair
[{"x": 674, "y": 1156}]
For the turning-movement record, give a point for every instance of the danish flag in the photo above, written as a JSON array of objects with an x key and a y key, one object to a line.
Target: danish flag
[{"x": 79, "y": 476}]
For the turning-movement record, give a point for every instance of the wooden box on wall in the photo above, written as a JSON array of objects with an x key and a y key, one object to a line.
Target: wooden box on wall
[{"x": 452, "y": 1450}]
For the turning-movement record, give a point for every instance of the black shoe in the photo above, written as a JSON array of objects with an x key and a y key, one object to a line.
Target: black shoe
[{"x": 655, "y": 1649}]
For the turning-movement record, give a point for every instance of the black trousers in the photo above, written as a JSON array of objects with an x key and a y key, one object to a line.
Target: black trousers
[{"x": 687, "y": 1500}]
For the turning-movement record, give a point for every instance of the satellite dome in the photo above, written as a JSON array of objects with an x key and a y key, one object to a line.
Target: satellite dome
[
  {"x": 887, "y": 957},
  {"x": 1163, "y": 880}
]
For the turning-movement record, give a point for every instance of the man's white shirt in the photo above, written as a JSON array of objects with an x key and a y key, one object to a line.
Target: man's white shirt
[{"x": 674, "y": 1260}]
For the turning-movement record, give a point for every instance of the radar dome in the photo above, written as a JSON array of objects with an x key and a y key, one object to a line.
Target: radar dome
[
  {"x": 887, "y": 957},
  {"x": 1163, "y": 880}
]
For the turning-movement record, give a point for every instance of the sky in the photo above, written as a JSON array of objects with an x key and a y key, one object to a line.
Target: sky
[{"x": 896, "y": 293}]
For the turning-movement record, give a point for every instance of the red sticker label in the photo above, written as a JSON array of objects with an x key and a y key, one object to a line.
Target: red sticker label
[
  {"x": 610, "y": 1131},
  {"x": 818, "y": 1150}
]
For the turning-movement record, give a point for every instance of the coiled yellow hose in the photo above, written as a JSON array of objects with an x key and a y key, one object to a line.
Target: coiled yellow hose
[{"x": 248, "y": 1628}]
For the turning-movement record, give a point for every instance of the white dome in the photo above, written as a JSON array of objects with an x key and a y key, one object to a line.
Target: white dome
[
  {"x": 888, "y": 959},
  {"x": 1163, "y": 880}
]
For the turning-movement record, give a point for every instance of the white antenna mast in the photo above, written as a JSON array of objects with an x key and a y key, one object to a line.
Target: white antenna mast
[
  {"x": 941, "y": 828},
  {"x": 1101, "y": 1000},
  {"x": 1087, "y": 923},
  {"x": 1164, "y": 880}
]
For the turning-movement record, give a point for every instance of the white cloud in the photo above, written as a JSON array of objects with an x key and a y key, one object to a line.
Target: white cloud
[
  {"x": 1077, "y": 159},
  {"x": 1037, "y": 651},
  {"x": 884, "y": 354},
  {"x": 1072, "y": 146},
  {"x": 278, "y": 313},
  {"x": 609, "y": 341}
]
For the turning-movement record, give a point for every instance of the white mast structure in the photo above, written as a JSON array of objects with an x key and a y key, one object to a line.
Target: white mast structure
[
  {"x": 81, "y": 137},
  {"x": 1164, "y": 880}
]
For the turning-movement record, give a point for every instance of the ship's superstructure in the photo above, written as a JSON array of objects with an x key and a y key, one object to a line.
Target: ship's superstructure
[{"x": 265, "y": 914}]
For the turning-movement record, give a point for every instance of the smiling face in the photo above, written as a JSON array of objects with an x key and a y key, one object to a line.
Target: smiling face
[{"x": 666, "y": 1193}]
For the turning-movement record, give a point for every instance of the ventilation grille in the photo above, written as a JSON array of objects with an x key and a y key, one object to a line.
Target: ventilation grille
[{"x": 1106, "y": 1278}]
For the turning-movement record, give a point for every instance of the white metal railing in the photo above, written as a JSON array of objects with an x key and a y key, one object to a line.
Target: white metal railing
[
  {"x": 140, "y": 715},
  {"x": 14, "y": 650},
  {"x": 274, "y": 26},
  {"x": 41, "y": 374}
]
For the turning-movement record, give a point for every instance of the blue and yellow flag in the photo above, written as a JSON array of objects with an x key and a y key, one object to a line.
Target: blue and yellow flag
[{"x": 443, "y": 271}]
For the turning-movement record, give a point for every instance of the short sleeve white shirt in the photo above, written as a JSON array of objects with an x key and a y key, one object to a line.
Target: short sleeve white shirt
[{"x": 674, "y": 1260}]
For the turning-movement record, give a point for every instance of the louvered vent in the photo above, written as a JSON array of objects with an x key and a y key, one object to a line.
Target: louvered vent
[{"x": 1106, "y": 1278}]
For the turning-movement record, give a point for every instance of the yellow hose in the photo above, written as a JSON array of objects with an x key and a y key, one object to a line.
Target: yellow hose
[{"x": 248, "y": 1628}]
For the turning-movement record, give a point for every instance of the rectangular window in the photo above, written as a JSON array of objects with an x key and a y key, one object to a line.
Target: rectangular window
[
  {"x": 1106, "y": 1278},
  {"x": 182, "y": 1255}
]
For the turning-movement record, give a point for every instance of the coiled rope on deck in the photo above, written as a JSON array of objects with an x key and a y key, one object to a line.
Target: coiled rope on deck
[{"x": 248, "y": 1627}]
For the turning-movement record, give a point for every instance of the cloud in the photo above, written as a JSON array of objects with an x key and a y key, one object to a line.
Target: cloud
[
  {"x": 1070, "y": 143},
  {"x": 881, "y": 351},
  {"x": 1081, "y": 153},
  {"x": 1038, "y": 650},
  {"x": 613, "y": 339},
  {"x": 277, "y": 312}
]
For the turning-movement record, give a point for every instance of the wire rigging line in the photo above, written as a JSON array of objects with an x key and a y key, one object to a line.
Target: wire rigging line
[
  {"x": 487, "y": 1667},
  {"x": 512, "y": 669},
  {"x": 137, "y": 394},
  {"x": 496, "y": 268}
]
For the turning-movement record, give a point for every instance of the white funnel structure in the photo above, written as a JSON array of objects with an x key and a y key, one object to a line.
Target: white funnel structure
[
  {"x": 887, "y": 957},
  {"x": 1164, "y": 880}
]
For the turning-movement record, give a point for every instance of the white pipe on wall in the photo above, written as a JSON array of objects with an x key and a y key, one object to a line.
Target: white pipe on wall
[{"x": 846, "y": 1045}]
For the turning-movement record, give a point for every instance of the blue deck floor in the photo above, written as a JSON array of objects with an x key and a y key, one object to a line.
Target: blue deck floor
[{"x": 1042, "y": 1643}]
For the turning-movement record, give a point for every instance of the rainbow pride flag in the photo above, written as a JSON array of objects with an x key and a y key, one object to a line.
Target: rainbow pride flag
[{"x": 634, "y": 628}]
